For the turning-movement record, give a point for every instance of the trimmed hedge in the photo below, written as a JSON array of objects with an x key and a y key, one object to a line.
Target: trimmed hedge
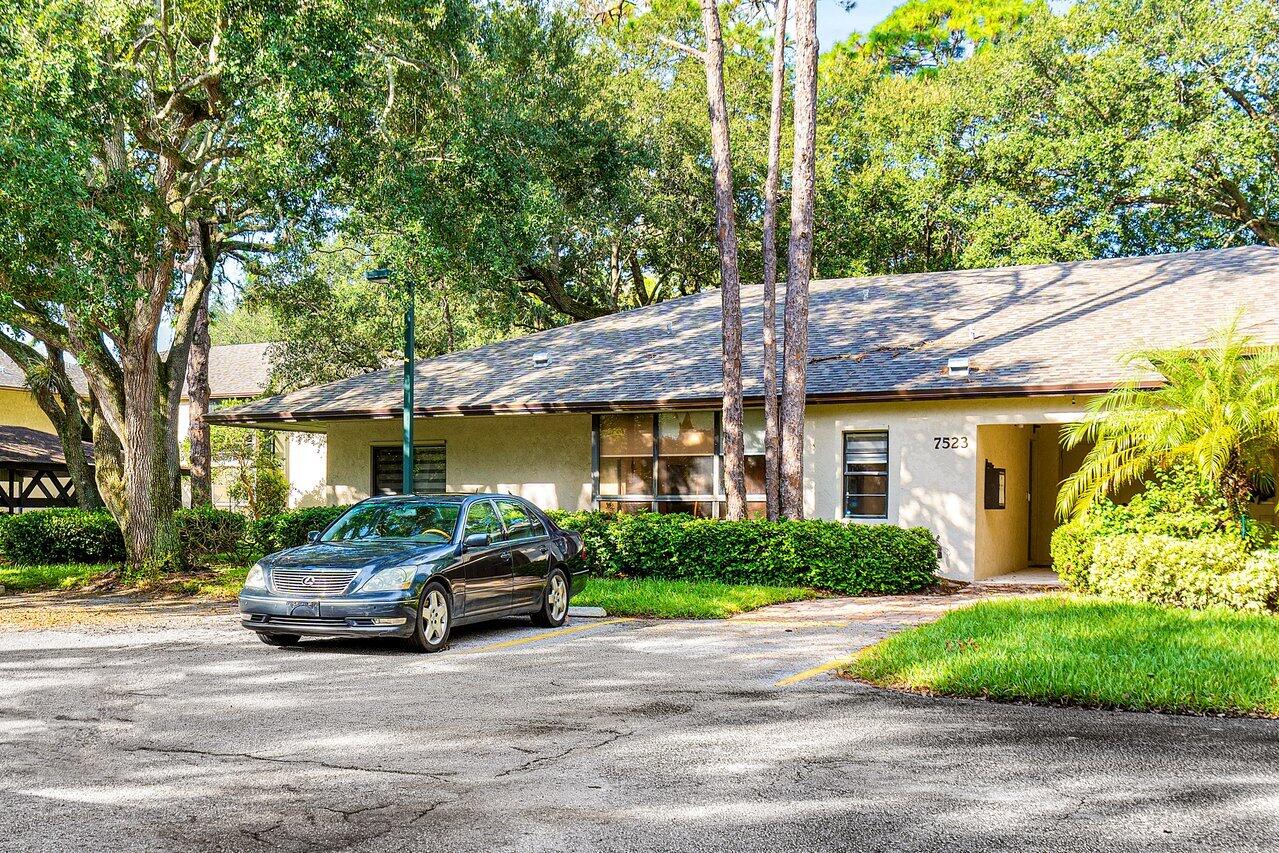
[
  {"x": 1210, "y": 571},
  {"x": 289, "y": 529},
  {"x": 205, "y": 532},
  {"x": 62, "y": 536},
  {"x": 849, "y": 558}
]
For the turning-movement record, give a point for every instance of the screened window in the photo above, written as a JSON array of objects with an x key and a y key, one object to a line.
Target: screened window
[
  {"x": 686, "y": 454},
  {"x": 626, "y": 455},
  {"x": 672, "y": 462},
  {"x": 866, "y": 475},
  {"x": 428, "y": 470}
]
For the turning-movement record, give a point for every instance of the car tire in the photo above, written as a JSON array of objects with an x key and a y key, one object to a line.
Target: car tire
[
  {"x": 434, "y": 622},
  {"x": 279, "y": 639},
  {"x": 554, "y": 609}
]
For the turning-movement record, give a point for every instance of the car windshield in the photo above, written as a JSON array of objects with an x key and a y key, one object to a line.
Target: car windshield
[{"x": 415, "y": 521}]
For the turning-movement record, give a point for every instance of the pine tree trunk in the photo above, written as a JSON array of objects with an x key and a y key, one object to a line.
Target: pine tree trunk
[
  {"x": 730, "y": 287},
  {"x": 799, "y": 266},
  {"x": 772, "y": 425},
  {"x": 198, "y": 408}
]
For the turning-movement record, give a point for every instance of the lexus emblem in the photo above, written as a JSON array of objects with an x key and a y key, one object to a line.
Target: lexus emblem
[{"x": 308, "y": 581}]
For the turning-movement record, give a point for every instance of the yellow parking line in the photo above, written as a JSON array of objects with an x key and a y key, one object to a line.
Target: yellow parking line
[
  {"x": 545, "y": 635},
  {"x": 817, "y": 670}
]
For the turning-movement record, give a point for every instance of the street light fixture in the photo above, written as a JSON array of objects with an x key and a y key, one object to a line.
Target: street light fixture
[{"x": 382, "y": 274}]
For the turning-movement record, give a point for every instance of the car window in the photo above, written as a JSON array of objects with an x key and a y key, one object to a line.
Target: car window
[
  {"x": 520, "y": 523},
  {"x": 415, "y": 521},
  {"x": 482, "y": 518}
]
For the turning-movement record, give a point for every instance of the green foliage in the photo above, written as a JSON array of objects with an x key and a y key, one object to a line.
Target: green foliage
[
  {"x": 206, "y": 532},
  {"x": 924, "y": 35},
  {"x": 289, "y": 529},
  {"x": 248, "y": 464},
  {"x": 1177, "y": 502},
  {"x": 242, "y": 325},
  {"x": 1217, "y": 410},
  {"x": 61, "y": 536},
  {"x": 1060, "y": 650},
  {"x": 1211, "y": 571},
  {"x": 667, "y": 599},
  {"x": 849, "y": 558}
]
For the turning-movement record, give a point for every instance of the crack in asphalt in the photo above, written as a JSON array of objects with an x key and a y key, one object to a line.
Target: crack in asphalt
[
  {"x": 536, "y": 763},
  {"x": 294, "y": 762}
]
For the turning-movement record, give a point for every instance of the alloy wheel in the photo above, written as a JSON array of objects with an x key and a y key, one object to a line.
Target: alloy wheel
[
  {"x": 435, "y": 617},
  {"x": 558, "y": 597}
]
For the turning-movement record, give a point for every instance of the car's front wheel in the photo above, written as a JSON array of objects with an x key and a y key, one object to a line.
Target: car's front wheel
[
  {"x": 279, "y": 639},
  {"x": 434, "y": 619},
  {"x": 554, "y": 608}
]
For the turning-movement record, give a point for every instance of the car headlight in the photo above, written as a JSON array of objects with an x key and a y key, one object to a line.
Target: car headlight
[
  {"x": 256, "y": 578},
  {"x": 389, "y": 579}
]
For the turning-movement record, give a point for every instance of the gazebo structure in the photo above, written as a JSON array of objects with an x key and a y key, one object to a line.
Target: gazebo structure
[{"x": 33, "y": 470}]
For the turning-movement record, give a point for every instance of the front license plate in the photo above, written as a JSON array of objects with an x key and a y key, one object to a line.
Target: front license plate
[{"x": 304, "y": 608}]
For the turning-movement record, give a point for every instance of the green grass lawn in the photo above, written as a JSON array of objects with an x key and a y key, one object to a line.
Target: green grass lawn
[
  {"x": 219, "y": 581},
  {"x": 1079, "y": 651},
  {"x": 59, "y": 576},
  {"x": 682, "y": 599}
]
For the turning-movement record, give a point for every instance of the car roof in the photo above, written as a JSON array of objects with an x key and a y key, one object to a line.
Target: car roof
[{"x": 447, "y": 497}]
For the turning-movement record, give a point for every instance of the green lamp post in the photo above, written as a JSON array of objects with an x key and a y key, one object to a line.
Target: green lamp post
[{"x": 383, "y": 274}]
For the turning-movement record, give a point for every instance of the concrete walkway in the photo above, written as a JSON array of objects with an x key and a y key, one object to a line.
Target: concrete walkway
[{"x": 183, "y": 732}]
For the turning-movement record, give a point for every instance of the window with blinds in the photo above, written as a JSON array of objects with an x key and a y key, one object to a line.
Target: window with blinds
[
  {"x": 866, "y": 474},
  {"x": 428, "y": 469}
]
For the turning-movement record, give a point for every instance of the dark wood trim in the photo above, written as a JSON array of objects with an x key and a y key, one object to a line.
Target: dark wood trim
[{"x": 592, "y": 407}]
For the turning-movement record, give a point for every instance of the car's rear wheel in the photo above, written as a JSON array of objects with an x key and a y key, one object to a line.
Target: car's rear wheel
[
  {"x": 279, "y": 639},
  {"x": 554, "y": 601},
  {"x": 434, "y": 619}
]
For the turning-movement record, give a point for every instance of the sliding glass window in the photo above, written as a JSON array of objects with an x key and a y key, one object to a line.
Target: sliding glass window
[{"x": 672, "y": 462}]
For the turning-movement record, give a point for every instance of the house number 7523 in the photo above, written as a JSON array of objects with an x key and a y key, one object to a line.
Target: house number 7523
[{"x": 950, "y": 442}]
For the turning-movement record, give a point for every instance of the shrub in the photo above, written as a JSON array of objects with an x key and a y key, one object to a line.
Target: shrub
[
  {"x": 1210, "y": 571},
  {"x": 1177, "y": 503},
  {"x": 289, "y": 529},
  {"x": 1071, "y": 547},
  {"x": 847, "y": 558},
  {"x": 62, "y": 536},
  {"x": 205, "y": 532}
]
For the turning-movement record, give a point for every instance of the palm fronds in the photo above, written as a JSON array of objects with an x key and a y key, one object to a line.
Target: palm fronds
[{"x": 1217, "y": 409}]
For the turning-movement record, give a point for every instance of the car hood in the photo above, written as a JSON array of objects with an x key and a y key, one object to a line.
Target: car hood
[{"x": 372, "y": 554}]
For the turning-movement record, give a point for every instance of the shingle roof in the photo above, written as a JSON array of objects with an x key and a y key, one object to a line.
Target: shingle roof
[
  {"x": 1030, "y": 329},
  {"x": 26, "y": 446},
  {"x": 12, "y": 376},
  {"x": 235, "y": 370},
  {"x": 238, "y": 370}
]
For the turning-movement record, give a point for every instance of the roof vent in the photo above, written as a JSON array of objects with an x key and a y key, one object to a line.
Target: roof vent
[
  {"x": 957, "y": 367},
  {"x": 541, "y": 359}
]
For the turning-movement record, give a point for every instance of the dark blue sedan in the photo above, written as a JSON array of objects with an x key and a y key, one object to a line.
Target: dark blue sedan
[{"x": 415, "y": 567}]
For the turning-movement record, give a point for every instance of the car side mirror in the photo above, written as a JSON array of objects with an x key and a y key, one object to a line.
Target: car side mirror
[
  {"x": 313, "y": 536},
  {"x": 476, "y": 540}
]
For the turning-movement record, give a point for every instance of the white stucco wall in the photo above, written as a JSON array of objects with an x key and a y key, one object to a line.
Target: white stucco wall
[
  {"x": 544, "y": 458},
  {"x": 547, "y": 459},
  {"x": 928, "y": 486},
  {"x": 306, "y": 467}
]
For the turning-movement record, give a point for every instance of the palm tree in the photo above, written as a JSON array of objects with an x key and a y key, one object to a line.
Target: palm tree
[{"x": 1217, "y": 411}]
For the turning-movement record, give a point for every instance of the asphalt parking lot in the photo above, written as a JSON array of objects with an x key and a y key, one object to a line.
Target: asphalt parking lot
[{"x": 173, "y": 729}]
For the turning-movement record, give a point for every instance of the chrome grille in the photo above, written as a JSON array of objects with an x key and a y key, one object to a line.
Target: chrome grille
[
  {"x": 308, "y": 583},
  {"x": 304, "y": 622}
]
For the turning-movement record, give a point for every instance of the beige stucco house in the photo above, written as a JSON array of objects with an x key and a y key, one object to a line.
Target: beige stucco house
[{"x": 934, "y": 399}]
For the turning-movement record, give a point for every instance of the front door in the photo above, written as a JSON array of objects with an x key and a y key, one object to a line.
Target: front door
[
  {"x": 488, "y": 569},
  {"x": 529, "y": 545}
]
